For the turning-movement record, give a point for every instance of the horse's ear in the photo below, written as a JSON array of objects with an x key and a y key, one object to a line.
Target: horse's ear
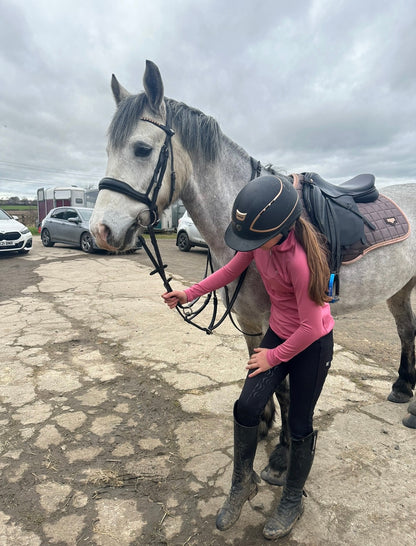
[
  {"x": 153, "y": 86},
  {"x": 118, "y": 90}
]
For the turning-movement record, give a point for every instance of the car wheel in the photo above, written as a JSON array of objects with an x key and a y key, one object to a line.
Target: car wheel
[
  {"x": 87, "y": 242},
  {"x": 46, "y": 238},
  {"x": 183, "y": 242}
]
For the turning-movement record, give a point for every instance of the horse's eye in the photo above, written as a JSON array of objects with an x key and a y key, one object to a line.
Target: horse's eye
[{"x": 142, "y": 150}]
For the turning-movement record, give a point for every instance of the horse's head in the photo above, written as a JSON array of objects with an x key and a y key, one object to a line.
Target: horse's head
[{"x": 138, "y": 179}]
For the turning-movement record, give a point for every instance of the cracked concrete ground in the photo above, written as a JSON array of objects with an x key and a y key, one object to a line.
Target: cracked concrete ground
[{"x": 117, "y": 430}]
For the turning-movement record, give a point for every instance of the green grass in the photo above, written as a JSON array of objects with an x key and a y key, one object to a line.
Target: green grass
[{"x": 18, "y": 207}]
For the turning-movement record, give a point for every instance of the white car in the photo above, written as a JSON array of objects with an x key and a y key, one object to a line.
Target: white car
[
  {"x": 13, "y": 234},
  {"x": 188, "y": 234}
]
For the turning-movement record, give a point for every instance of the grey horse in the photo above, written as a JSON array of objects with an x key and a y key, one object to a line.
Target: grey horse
[{"x": 210, "y": 170}]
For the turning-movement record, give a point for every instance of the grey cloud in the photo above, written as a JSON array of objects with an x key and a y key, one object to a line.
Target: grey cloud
[{"x": 311, "y": 85}]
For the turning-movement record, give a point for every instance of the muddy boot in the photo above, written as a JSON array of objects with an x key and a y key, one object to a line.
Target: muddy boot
[
  {"x": 290, "y": 507},
  {"x": 244, "y": 481}
]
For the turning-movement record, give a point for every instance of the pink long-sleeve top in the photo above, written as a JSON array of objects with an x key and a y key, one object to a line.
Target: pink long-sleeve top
[{"x": 285, "y": 273}]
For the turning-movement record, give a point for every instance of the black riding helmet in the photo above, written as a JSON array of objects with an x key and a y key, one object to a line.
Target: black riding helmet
[{"x": 267, "y": 206}]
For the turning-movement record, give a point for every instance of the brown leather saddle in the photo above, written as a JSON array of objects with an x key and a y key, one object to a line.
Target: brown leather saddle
[{"x": 353, "y": 217}]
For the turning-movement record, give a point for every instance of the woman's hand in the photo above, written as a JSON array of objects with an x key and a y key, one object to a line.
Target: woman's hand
[
  {"x": 173, "y": 298},
  {"x": 258, "y": 360}
]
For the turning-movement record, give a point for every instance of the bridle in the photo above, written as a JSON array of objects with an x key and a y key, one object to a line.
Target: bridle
[
  {"x": 149, "y": 198},
  {"x": 156, "y": 182}
]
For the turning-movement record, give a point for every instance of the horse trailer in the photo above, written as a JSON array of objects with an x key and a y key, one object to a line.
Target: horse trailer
[{"x": 65, "y": 196}]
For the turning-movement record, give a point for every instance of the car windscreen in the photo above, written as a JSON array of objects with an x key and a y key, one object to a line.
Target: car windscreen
[
  {"x": 85, "y": 214},
  {"x": 4, "y": 215}
]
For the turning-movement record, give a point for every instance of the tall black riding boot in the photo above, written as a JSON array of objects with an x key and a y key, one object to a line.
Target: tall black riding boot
[
  {"x": 244, "y": 481},
  {"x": 290, "y": 508}
]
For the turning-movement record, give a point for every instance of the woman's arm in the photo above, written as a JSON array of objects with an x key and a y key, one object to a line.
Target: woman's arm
[
  {"x": 220, "y": 278},
  {"x": 216, "y": 280}
]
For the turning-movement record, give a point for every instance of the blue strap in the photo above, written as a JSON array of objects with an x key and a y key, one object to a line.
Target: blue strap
[{"x": 333, "y": 288}]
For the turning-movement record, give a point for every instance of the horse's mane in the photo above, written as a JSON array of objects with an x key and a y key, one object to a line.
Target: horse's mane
[{"x": 200, "y": 134}]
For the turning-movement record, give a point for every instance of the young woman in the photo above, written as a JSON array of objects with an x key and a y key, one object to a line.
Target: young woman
[{"x": 266, "y": 227}]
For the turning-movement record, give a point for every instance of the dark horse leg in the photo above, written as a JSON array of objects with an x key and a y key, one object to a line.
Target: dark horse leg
[
  {"x": 275, "y": 472},
  {"x": 267, "y": 417},
  {"x": 410, "y": 419},
  {"x": 401, "y": 309}
]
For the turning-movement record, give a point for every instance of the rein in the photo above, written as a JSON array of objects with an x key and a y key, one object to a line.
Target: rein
[
  {"x": 186, "y": 311},
  {"x": 155, "y": 184}
]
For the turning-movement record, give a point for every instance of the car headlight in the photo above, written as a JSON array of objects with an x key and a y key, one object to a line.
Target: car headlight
[{"x": 24, "y": 230}]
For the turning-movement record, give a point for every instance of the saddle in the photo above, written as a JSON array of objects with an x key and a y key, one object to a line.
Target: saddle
[
  {"x": 353, "y": 217},
  {"x": 361, "y": 188}
]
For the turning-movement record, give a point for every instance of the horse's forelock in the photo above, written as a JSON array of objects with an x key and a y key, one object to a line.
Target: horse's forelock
[
  {"x": 200, "y": 134},
  {"x": 125, "y": 119}
]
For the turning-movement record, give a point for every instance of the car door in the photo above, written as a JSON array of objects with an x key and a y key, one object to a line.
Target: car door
[
  {"x": 56, "y": 225},
  {"x": 72, "y": 229}
]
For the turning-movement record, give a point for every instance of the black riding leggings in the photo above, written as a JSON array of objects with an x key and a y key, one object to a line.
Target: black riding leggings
[{"x": 307, "y": 373}]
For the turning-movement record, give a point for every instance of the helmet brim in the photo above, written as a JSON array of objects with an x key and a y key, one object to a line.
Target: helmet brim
[{"x": 244, "y": 245}]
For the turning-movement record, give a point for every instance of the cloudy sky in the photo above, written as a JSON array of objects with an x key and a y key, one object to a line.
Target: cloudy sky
[{"x": 307, "y": 85}]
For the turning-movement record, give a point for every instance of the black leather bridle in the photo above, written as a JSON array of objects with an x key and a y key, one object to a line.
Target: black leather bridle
[
  {"x": 150, "y": 197},
  {"x": 150, "y": 200}
]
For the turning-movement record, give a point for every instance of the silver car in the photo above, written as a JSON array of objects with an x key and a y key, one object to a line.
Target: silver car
[
  {"x": 70, "y": 226},
  {"x": 188, "y": 235}
]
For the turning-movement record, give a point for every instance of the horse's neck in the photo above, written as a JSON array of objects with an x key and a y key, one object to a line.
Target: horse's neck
[{"x": 210, "y": 193}]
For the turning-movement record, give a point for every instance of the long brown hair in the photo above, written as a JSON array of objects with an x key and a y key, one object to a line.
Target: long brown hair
[{"x": 317, "y": 256}]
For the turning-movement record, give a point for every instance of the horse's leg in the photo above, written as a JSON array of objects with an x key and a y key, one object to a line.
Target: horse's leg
[
  {"x": 275, "y": 472},
  {"x": 410, "y": 419},
  {"x": 267, "y": 417},
  {"x": 401, "y": 309}
]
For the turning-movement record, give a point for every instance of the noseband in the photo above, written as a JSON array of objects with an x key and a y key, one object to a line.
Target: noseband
[{"x": 155, "y": 184}]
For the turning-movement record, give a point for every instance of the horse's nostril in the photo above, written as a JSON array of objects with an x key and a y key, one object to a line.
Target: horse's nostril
[
  {"x": 103, "y": 232},
  {"x": 102, "y": 235}
]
